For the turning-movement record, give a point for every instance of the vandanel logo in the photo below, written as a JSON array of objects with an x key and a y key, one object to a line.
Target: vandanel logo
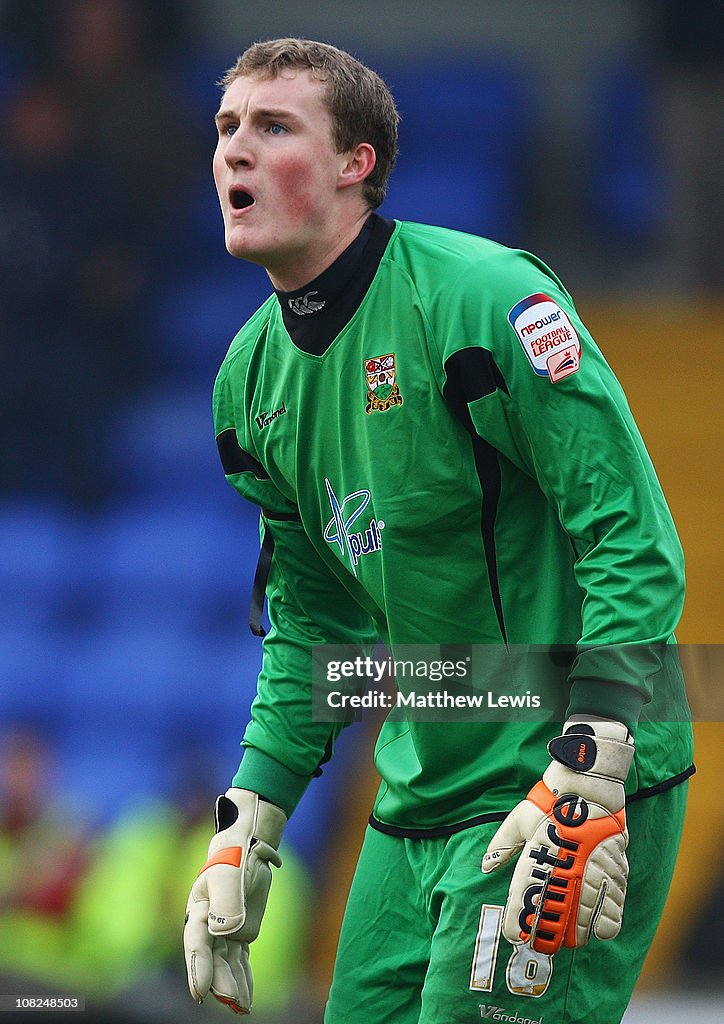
[
  {"x": 345, "y": 514},
  {"x": 491, "y": 1012},
  {"x": 265, "y": 418}
]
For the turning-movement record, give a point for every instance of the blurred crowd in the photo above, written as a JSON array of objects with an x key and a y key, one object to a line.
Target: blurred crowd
[
  {"x": 96, "y": 155},
  {"x": 125, "y": 560},
  {"x": 97, "y": 912}
]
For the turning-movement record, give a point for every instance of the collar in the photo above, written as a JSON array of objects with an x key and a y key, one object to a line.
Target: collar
[{"x": 316, "y": 313}]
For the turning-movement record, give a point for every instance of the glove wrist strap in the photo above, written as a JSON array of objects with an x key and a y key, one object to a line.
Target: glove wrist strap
[{"x": 599, "y": 749}]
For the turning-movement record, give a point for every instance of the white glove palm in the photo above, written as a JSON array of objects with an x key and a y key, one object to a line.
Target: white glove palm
[
  {"x": 228, "y": 898},
  {"x": 570, "y": 880}
]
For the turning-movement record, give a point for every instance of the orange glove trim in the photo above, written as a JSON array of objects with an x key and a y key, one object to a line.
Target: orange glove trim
[{"x": 229, "y": 855}]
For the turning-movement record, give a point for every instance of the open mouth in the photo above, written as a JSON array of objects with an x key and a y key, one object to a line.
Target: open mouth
[{"x": 240, "y": 198}]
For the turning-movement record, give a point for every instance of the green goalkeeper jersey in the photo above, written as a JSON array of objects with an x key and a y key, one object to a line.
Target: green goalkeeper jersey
[{"x": 442, "y": 456}]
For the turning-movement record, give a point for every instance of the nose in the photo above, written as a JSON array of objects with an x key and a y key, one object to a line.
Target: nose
[{"x": 238, "y": 151}]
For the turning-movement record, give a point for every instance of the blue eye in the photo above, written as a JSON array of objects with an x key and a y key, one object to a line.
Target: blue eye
[
  {"x": 277, "y": 129},
  {"x": 230, "y": 129}
]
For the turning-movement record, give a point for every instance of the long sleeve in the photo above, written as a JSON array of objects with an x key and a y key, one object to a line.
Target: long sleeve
[
  {"x": 572, "y": 432},
  {"x": 284, "y": 744}
]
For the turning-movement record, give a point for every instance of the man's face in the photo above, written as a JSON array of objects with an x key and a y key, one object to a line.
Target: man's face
[{"x": 276, "y": 171}]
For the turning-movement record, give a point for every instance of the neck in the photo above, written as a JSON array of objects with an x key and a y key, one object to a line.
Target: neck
[{"x": 295, "y": 273}]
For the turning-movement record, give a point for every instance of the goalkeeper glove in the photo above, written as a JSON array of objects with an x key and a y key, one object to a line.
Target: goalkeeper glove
[
  {"x": 228, "y": 898},
  {"x": 570, "y": 880}
]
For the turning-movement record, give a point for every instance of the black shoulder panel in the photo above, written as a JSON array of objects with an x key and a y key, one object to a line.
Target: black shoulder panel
[
  {"x": 234, "y": 459},
  {"x": 471, "y": 373}
]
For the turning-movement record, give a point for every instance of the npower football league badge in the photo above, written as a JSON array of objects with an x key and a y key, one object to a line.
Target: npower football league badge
[
  {"x": 547, "y": 335},
  {"x": 382, "y": 389}
]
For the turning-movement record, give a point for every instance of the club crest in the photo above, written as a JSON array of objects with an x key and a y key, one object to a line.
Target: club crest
[{"x": 382, "y": 389}]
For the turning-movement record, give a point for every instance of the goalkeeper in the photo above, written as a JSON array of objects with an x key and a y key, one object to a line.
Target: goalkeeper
[{"x": 441, "y": 455}]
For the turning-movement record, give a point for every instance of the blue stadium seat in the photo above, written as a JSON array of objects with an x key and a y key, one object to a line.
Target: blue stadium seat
[
  {"x": 182, "y": 564},
  {"x": 194, "y": 316},
  {"x": 162, "y": 443},
  {"x": 626, "y": 178},
  {"x": 38, "y": 549},
  {"x": 135, "y": 695},
  {"x": 463, "y": 137},
  {"x": 478, "y": 202},
  {"x": 194, "y": 74},
  {"x": 12, "y": 68},
  {"x": 32, "y": 672}
]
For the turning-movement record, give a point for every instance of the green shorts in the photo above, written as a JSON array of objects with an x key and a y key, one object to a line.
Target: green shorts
[{"x": 421, "y": 940}]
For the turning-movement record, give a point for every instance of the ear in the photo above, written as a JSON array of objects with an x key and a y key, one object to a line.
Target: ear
[{"x": 358, "y": 165}]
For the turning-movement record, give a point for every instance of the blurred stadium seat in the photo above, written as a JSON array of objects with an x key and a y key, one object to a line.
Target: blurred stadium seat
[
  {"x": 626, "y": 182},
  {"x": 38, "y": 541},
  {"x": 11, "y": 69},
  {"x": 463, "y": 139},
  {"x": 162, "y": 443},
  {"x": 177, "y": 561},
  {"x": 194, "y": 73},
  {"x": 194, "y": 316}
]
